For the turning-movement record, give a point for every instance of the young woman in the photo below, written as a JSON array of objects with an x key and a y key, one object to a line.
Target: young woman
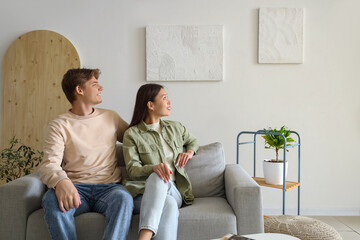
[{"x": 155, "y": 159}]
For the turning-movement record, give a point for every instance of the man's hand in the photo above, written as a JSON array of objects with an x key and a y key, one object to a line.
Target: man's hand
[
  {"x": 163, "y": 171},
  {"x": 183, "y": 158},
  {"x": 67, "y": 195}
]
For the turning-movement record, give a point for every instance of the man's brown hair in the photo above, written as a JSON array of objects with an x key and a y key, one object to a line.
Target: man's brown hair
[{"x": 77, "y": 77}]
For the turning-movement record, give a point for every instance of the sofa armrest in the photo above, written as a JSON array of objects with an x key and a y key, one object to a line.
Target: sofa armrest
[
  {"x": 18, "y": 199},
  {"x": 244, "y": 196}
]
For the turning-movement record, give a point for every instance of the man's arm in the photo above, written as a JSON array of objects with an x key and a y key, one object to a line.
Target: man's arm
[
  {"x": 121, "y": 128},
  {"x": 50, "y": 169},
  {"x": 51, "y": 172}
]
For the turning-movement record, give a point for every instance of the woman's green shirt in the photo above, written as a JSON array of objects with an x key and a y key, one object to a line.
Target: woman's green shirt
[{"x": 143, "y": 150}]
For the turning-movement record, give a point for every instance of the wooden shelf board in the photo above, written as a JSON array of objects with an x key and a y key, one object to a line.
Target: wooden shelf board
[{"x": 289, "y": 185}]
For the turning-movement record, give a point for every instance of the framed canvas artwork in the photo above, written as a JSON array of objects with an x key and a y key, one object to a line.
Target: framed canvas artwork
[
  {"x": 184, "y": 53},
  {"x": 281, "y": 35}
]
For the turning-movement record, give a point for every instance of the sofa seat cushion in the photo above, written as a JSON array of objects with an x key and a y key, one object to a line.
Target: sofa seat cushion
[
  {"x": 207, "y": 218},
  {"x": 88, "y": 226}
]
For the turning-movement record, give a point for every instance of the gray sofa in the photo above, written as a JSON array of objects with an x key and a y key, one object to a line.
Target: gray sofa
[{"x": 227, "y": 200}]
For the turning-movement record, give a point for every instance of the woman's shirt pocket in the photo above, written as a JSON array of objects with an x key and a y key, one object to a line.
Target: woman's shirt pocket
[{"x": 149, "y": 154}]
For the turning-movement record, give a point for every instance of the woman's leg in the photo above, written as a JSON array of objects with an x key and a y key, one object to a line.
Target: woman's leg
[
  {"x": 152, "y": 203},
  {"x": 169, "y": 220},
  {"x": 159, "y": 209},
  {"x": 170, "y": 215}
]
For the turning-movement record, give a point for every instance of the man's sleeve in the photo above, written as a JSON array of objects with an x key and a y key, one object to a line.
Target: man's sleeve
[
  {"x": 121, "y": 128},
  {"x": 50, "y": 169}
]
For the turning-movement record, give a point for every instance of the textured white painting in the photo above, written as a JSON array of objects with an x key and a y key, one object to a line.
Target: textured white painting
[
  {"x": 184, "y": 53},
  {"x": 281, "y": 35}
]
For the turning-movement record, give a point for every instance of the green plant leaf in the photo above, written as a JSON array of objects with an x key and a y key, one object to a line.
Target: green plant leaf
[
  {"x": 17, "y": 161},
  {"x": 277, "y": 141}
]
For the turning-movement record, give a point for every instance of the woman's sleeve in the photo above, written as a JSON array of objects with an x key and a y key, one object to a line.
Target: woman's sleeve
[
  {"x": 134, "y": 165},
  {"x": 190, "y": 141}
]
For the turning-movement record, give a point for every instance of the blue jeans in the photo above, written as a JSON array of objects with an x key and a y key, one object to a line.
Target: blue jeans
[
  {"x": 159, "y": 210},
  {"x": 111, "y": 200}
]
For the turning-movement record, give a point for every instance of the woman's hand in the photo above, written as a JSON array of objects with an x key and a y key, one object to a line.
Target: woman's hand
[
  {"x": 163, "y": 171},
  {"x": 183, "y": 158}
]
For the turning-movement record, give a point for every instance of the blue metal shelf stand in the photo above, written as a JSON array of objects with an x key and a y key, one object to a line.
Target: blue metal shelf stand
[{"x": 298, "y": 144}]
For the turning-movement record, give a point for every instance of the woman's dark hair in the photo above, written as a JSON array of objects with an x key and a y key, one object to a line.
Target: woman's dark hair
[{"x": 146, "y": 93}]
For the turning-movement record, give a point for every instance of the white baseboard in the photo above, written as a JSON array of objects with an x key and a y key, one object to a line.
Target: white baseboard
[{"x": 314, "y": 212}]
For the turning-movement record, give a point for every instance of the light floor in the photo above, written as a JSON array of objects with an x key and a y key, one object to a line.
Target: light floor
[{"x": 348, "y": 227}]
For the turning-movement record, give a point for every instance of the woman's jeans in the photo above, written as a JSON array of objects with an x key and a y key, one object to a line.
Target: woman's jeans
[
  {"x": 111, "y": 200},
  {"x": 159, "y": 211}
]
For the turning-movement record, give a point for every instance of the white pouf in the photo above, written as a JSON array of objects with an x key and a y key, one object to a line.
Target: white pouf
[{"x": 301, "y": 227}]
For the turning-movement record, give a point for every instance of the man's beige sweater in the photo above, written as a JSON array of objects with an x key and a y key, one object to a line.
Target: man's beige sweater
[{"x": 82, "y": 148}]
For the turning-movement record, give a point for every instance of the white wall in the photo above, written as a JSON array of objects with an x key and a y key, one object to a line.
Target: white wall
[{"x": 319, "y": 98}]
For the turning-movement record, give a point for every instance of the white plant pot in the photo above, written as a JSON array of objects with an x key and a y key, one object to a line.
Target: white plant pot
[{"x": 273, "y": 172}]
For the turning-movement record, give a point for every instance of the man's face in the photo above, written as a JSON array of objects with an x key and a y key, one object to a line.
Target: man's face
[{"x": 92, "y": 92}]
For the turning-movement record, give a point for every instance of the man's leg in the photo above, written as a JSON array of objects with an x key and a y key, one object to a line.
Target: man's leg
[
  {"x": 116, "y": 204},
  {"x": 61, "y": 225}
]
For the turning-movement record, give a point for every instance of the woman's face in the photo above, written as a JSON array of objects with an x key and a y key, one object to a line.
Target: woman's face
[{"x": 161, "y": 104}]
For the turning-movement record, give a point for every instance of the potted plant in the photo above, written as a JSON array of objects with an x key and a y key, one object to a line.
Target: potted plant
[
  {"x": 274, "y": 168},
  {"x": 18, "y": 160}
]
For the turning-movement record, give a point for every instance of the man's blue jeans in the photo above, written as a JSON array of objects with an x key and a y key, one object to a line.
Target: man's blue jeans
[{"x": 111, "y": 200}]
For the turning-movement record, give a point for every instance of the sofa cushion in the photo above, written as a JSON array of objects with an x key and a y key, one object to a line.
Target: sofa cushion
[
  {"x": 88, "y": 226},
  {"x": 206, "y": 171},
  {"x": 36, "y": 226},
  {"x": 207, "y": 218}
]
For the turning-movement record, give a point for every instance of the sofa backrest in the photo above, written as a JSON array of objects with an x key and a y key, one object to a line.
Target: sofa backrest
[
  {"x": 120, "y": 161},
  {"x": 205, "y": 170}
]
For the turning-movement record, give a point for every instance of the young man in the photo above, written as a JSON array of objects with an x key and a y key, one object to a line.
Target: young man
[{"x": 79, "y": 164}]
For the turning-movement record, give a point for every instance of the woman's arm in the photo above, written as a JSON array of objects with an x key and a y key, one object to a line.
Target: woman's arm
[
  {"x": 191, "y": 144},
  {"x": 190, "y": 141},
  {"x": 184, "y": 157},
  {"x": 134, "y": 165}
]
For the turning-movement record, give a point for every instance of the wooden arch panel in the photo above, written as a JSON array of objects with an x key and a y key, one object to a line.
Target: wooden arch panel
[{"x": 32, "y": 71}]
